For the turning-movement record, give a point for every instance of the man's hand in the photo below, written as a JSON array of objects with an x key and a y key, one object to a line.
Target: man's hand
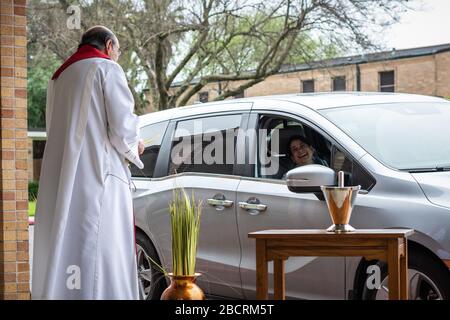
[{"x": 141, "y": 147}]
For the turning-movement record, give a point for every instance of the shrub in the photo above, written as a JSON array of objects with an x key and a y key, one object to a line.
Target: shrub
[{"x": 33, "y": 187}]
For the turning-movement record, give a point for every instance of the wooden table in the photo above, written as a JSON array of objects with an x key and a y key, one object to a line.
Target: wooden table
[{"x": 388, "y": 245}]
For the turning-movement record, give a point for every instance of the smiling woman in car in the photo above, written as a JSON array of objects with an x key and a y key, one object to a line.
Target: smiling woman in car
[{"x": 302, "y": 152}]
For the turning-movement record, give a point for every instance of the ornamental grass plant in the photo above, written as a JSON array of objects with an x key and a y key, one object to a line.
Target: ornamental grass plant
[{"x": 185, "y": 216}]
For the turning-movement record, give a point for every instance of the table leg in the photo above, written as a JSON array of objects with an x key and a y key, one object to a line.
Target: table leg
[
  {"x": 404, "y": 290},
  {"x": 393, "y": 258},
  {"x": 261, "y": 270},
  {"x": 279, "y": 284}
]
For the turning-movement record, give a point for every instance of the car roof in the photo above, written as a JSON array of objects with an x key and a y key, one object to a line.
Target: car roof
[
  {"x": 315, "y": 101},
  {"x": 327, "y": 100}
]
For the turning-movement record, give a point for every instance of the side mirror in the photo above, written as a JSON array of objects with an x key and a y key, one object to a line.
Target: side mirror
[{"x": 309, "y": 178}]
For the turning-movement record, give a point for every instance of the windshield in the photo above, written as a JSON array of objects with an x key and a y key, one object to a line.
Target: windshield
[{"x": 405, "y": 136}]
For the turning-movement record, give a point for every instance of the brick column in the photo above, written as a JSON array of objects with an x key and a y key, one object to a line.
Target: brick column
[{"x": 14, "y": 264}]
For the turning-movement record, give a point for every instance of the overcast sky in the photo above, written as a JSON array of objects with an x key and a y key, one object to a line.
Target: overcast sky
[{"x": 428, "y": 25}]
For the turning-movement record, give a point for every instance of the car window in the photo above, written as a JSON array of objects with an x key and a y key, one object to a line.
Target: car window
[
  {"x": 405, "y": 136},
  {"x": 152, "y": 136},
  {"x": 355, "y": 174},
  {"x": 340, "y": 161},
  {"x": 278, "y": 136},
  {"x": 205, "y": 145},
  {"x": 275, "y": 160}
]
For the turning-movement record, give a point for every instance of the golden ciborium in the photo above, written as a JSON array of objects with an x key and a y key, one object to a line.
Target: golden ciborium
[{"x": 340, "y": 201}]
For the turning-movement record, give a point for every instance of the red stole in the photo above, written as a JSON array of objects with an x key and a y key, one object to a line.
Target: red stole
[{"x": 84, "y": 52}]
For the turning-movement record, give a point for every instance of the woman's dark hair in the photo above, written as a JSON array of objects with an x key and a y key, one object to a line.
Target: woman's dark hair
[{"x": 97, "y": 37}]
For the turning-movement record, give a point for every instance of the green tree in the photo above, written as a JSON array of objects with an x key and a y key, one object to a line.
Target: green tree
[
  {"x": 40, "y": 70},
  {"x": 197, "y": 42}
]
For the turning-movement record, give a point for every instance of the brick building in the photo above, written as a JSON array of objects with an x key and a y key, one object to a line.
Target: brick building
[
  {"x": 14, "y": 265},
  {"x": 423, "y": 70}
]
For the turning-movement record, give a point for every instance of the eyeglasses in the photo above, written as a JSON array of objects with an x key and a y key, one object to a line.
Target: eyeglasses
[{"x": 119, "y": 52}]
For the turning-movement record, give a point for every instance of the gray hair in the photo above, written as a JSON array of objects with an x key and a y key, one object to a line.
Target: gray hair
[{"x": 97, "y": 37}]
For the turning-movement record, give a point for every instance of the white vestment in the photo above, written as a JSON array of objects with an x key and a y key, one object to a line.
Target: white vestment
[{"x": 84, "y": 245}]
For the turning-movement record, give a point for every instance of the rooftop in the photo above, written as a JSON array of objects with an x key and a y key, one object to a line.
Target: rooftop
[
  {"x": 359, "y": 59},
  {"x": 367, "y": 58}
]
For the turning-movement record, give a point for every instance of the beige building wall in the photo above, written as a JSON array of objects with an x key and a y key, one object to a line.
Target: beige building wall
[
  {"x": 443, "y": 74},
  {"x": 286, "y": 83},
  {"x": 412, "y": 75}
]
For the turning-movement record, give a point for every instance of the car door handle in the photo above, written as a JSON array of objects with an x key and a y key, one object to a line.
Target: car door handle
[
  {"x": 220, "y": 203},
  {"x": 253, "y": 206}
]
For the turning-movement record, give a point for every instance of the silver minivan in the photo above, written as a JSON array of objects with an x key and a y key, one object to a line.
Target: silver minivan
[{"x": 235, "y": 157}]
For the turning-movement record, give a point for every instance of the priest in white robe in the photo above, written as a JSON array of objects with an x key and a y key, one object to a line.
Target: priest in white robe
[{"x": 84, "y": 245}]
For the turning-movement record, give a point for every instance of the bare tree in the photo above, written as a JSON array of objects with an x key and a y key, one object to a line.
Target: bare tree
[{"x": 192, "y": 43}]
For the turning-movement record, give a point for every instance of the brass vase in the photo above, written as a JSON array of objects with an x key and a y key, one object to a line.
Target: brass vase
[
  {"x": 340, "y": 201},
  {"x": 183, "y": 288}
]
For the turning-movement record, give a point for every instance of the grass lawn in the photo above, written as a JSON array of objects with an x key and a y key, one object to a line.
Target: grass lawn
[{"x": 31, "y": 208}]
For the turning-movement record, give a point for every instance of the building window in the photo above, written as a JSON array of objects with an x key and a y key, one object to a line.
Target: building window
[
  {"x": 308, "y": 86},
  {"x": 339, "y": 84},
  {"x": 203, "y": 96},
  {"x": 387, "y": 81}
]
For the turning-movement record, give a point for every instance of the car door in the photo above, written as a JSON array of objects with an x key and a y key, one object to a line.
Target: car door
[
  {"x": 201, "y": 160},
  {"x": 266, "y": 203}
]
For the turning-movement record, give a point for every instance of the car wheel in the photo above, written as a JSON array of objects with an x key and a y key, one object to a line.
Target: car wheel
[
  {"x": 151, "y": 279},
  {"x": 428, "y": 280}
]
